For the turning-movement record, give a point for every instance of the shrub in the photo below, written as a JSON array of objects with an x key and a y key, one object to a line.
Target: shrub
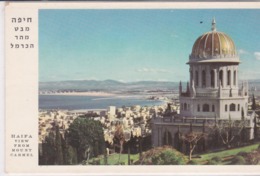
[
  {"x": 217, "y": 159},
  {"x": 97, "y": 161},
  {"x": 238, "y": 160},
  {"x": 243, "y": 154},
  {"x": 84, "y": 162},
  {"x": 163, "y": 156},
  {"x": 93, "y": 161},
  {"x": 253, "y": 157},
  {"x": 193, "y": 162},
  {"x": 213, "y": 162},
  {"x": 166, "y": 157}
]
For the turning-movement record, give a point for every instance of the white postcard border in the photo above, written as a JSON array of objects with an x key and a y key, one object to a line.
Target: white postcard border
[{"x": 21, "y": 91}]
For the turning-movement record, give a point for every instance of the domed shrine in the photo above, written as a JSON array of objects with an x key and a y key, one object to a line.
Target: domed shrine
[
  {"x": 213, "y": 45},
  {"x": 212, "y": 94},
  {"x": 213, "y": 89}
]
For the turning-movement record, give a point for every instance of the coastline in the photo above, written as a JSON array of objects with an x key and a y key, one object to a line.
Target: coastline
[
  {"x": 93, "y": 100},
  {"x": 101, "y": 94},
  {"x": 74, "y": 110}
]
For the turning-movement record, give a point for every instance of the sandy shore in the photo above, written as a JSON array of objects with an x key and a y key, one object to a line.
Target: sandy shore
[{"x": 101, "y": 94}]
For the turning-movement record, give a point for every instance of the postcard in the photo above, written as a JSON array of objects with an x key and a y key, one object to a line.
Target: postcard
[{"x": 132, "y": 88}]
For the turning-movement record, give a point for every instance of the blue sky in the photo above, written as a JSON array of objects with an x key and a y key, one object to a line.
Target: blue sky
[{"x": 135, "y": 45}]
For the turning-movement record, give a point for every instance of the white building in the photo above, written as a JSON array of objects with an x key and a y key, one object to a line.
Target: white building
[
  {"x": 213, "y": 89},
  {"x": 212, "y": 94},
  {"x": 111, "y": 112}
]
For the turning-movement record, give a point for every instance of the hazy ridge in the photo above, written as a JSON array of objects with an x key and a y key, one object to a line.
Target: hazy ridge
[
  {"x": 113, "y": 85},
  {"x": 106, "y": 85}
]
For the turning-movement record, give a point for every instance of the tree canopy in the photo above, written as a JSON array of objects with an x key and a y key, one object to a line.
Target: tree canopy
[{"x": 87, "y": 137}]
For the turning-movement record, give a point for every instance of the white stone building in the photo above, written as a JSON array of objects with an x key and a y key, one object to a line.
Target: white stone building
[
  {"x": 212, "y": 94},
  {"x": 213, "y": 89},
  {"x": 111, "y": 112}
]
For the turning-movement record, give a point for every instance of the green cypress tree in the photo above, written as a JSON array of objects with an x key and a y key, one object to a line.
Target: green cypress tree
[
  {"x": 242, "y": 114},
  {"x": 70, "y": 156},
  {"x": 58, "y": 147},
  {"x": 48, "y": 149},
  {"x": 255, "y": 123}
]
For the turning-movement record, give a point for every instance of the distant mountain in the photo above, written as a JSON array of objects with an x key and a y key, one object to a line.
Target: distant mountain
[
  {"x": 117, "y": 86},
  {"x": 254, "y": 81},
  {"x": 106, "y": 85}
]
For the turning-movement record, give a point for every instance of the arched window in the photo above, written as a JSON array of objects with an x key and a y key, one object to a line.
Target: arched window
[
  {"x": 185, "y": 106},
  {"x": 203, "y": 78},
  {"x": 238, "y": 107},
  {"x": 213, "y": 108},
  {"x": 228, "y": 77},
  {"x": 212, "y": 78},
  {"x": 205, "y": 108},
  {"x": 226, "y": 108},
  {"x": 221, "y": 77},
  {"x": 196, "y": 78},
  {"x": 235, "y": 78},
  {"x": 232, "y": 107},
  {"x": 198, "y": 108},
  {"x": 188, "y": 106}
]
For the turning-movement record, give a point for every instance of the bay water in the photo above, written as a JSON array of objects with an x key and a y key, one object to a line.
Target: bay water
[{"x": 74, "y": 102}]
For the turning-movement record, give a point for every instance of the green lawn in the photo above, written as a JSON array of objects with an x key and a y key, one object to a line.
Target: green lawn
[
  {"x": 113, "y": 159},
  {"x": 226, "y": 153},
  {"x": 226, "y": 156}
]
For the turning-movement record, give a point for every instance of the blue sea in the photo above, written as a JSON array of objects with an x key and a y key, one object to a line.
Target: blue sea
[{"x": 91, "y": 102}]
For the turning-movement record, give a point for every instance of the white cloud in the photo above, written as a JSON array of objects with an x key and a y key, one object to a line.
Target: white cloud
[
  {"x": 152, "y": 70},
  {"x": 257, "y": 55},
  {"x": 122, "y": 80},
  {"x": 241, "y": 51}
]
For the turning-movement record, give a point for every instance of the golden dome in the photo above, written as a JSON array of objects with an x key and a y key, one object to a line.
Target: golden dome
[{"x": 213, "y": 44}]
